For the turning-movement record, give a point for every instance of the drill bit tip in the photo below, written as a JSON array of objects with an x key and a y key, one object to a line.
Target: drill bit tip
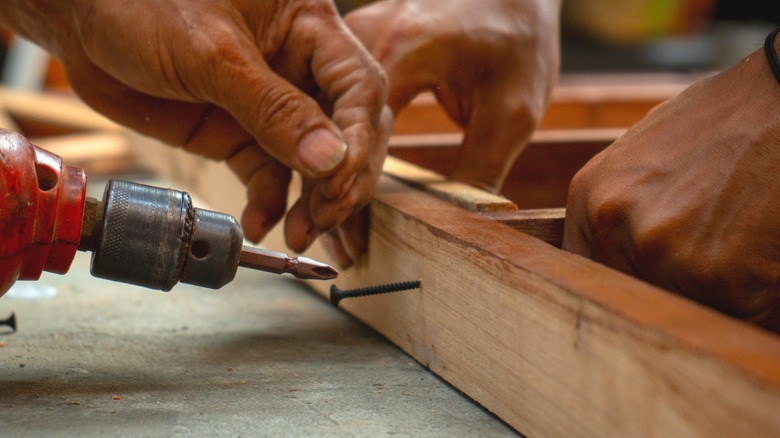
[{"x": 280, "y": 263}]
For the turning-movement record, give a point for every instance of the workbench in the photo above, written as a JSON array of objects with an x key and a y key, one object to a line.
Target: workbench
[{"x": 264, "y": 356}]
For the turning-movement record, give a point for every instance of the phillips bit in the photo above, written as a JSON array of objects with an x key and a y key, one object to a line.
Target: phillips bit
[{"x": 279, "y": 263}]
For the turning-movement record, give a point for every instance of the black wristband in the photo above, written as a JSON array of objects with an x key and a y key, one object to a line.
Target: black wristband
[{"x": 771, "y": 55}]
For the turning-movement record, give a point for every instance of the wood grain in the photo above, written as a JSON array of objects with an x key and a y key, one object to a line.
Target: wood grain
[
  {"x": 460, "y": 194},
  {"x": 546, "y": 224},
  {"x": 555, "y": 344}
]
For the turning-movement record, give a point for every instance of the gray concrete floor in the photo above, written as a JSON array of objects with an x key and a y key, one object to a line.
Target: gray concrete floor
[{"x": 264, "y": 356}]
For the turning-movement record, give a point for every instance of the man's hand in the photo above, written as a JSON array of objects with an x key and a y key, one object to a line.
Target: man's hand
[
  {"x": 688, "y": 198},
  {"x": 491, "y": 64},
  {"x": 241, "y": 81}
]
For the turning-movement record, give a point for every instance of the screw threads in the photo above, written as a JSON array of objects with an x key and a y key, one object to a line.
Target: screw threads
[{"x": 337, "y": 294}]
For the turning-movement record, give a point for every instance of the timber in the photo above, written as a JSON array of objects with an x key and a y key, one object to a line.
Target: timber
[{"x": 553, "y": 343}]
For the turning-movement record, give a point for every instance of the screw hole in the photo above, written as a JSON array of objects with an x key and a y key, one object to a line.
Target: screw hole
[
  {"x": 200, "y": 249},
  {"x": 47, "y": 177}
]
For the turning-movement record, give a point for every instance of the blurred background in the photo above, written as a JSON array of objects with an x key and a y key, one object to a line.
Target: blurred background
[
  {"x": 657, "y": 35},
  {"x": 598, "y": 35},
  {"x": 662, "y": 35}
]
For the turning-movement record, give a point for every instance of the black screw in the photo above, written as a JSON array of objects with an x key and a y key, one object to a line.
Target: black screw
[
  {"x": 10, "y": 322},
  {"x": 337, "y": 294}
]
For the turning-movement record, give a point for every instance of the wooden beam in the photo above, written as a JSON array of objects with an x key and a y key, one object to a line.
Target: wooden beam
[
  {"x": 46, "y": 113},
  {"x": 552, "y": 343},
  {"x": 578, "y": 101},
  {"x": 546, "y": 224},
  {"x": 460, "y": 194},
  {"x": 539, "y": 178}
]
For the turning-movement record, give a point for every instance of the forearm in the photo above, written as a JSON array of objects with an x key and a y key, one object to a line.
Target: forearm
[{"x": 41, "y": 21}]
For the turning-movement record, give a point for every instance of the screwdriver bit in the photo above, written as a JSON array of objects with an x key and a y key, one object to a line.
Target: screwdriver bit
[{"x": 279, "y": 263}]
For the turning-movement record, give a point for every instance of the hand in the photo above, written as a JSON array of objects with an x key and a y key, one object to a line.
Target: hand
[
  {"x": 348, "y": 241},
  {"x": 240, "y": 81},
  {"x": 687, "y": 198},
  {"x": 491, "y": 64}
]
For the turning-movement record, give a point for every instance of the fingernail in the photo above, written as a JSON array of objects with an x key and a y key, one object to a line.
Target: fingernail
[{"x": 321, "y": 150}]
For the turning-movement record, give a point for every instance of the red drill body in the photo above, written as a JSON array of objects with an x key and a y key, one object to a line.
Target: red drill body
[{"x": 41, "y": 211}]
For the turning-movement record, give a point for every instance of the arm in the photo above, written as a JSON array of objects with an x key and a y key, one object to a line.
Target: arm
[
  {"x": 240, "y": 81},
  {"x": 687, "y": 198}
]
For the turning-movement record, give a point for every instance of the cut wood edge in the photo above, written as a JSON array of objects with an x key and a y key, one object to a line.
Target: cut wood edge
[
  {"x": 463, "y": 195},
  {"x": 540, "y": 137},
  {"x": 546, "y": 224}
]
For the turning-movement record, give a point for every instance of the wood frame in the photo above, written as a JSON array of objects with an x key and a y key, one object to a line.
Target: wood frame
[{"x": 552, "y": 343}]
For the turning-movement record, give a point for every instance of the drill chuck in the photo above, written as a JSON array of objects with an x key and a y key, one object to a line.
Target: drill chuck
[{"x": 153, "y": 237}]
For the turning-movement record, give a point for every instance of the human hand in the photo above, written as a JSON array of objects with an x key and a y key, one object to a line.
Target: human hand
[
  {"x": 240, "y": 81},
  {"x": 491, "y": 64},
  {"x": 687, "y": 198}
]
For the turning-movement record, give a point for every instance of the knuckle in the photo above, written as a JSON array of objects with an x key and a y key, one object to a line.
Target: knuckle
[
  {"x": 606, "y": 219},
  {"x": 405, "y": 27},
  {"x": 654, "y": 243},
  {"x": 319, "y": 8},
  {"x": 276, "y": 105},
  {"x": 523, "y": 110},
  {"x": 578, "y": 186},
  {"x": 606, "y": 212},
  {"x": 724, "y": 282}
]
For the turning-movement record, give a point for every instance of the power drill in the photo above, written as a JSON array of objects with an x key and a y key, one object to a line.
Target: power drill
[{"x": 138, "y": 234}]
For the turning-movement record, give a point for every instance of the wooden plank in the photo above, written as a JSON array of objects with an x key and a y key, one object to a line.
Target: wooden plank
[
  {"x": 541, "y": 137},
  {"x": 578, "y": 101},
  {"x": 546, "y": 224},
  {"x": 539, "y": 178},
  {"x": 459, "y": 194},
  {"x": 555, "y": 344},
  {"x": 58, "y": 113}
]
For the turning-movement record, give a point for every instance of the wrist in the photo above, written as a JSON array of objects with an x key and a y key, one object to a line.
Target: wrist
[{"x": 771, "y": 53}]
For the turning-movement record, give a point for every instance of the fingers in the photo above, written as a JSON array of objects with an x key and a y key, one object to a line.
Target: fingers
[
  {"x": 348, "y": 243},
  {"x": 353, "y": 236},
  {"x": 498, "y": 128},
  {"x": 356, "y": 87},
  {"x": 392, "y": 37},
  {"x": 314, "y": 213},
  {"x": 267, "y": 183}
]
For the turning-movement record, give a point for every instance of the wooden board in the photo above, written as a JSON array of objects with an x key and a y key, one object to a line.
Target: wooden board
[
  {"x": 52, "y": 113},
  {"x": 539, "y": 178},
  {"x": 578, "y": 101},
  {"x": 552, "y": 343}
]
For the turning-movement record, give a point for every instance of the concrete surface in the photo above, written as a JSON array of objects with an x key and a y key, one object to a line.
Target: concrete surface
[{"x": 264, "y": 356}]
